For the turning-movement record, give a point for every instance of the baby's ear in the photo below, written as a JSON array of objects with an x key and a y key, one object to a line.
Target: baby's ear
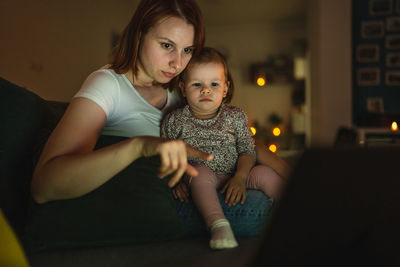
[
  {"x": 182, "y": 87},
  {"x": 227, "y": 84}
]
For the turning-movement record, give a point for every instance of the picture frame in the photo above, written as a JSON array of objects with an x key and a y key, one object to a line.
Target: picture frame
[
  {"x": 398, "y": 6},
  {"x": 392, "y": 78},
  {"x": 380, "y": 7},
  {"x": 367, "y": 53},
  {"x": 393, "y": 41},
  {"x": 375, "y": 105},
  {"x": 368, "y": 76},
  {"x": 393, "y": 24},
  {"x": 393, "y": 60},
  {"x": 372, "y": 29}
]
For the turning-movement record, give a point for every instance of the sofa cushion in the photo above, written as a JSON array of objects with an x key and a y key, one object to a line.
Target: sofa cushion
[
  {"x": 21, "y": 115},
  {"x": 26, "y": 122},
  {"x": 131, "y": 208}
]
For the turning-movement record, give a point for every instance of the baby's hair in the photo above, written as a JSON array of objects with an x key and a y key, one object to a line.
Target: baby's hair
[{"x": 211, "y": 55}]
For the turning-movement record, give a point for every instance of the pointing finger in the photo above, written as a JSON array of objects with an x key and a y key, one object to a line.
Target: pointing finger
[{"x": 191, "y": 151}]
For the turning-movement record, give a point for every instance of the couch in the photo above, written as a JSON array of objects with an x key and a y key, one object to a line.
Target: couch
[{"x": 56, "y": 234}]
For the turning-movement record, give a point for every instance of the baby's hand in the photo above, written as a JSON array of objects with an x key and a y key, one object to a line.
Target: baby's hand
[
  {"x": 181, "y": 192},
  {"x": 235, "y": 190}
]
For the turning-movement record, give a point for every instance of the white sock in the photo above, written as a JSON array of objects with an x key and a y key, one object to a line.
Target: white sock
[{"x": 221, "y": 235}]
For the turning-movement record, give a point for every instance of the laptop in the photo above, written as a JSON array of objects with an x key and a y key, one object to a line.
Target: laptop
[{"x": 341, "y": 208}]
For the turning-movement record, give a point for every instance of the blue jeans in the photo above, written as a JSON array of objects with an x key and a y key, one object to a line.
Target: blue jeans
[{"x": 249, "y": 219}]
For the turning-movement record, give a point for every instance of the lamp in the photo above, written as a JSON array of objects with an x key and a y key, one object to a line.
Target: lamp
[
  {"x": 261, "y": 74},
  {"x": 275, "y": 69}
]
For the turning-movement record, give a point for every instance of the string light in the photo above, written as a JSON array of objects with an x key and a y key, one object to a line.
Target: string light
[
  {"x": 273, "y": 148},
  {"x": 261, "y": 81},
  {"x": 276, "y": 131},
  {"x": 253, "y": 130},
  {"x": 394, "y": 126}
]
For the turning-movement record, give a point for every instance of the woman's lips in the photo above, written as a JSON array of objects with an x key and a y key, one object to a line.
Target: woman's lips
[{"x": 169, "y": 74}]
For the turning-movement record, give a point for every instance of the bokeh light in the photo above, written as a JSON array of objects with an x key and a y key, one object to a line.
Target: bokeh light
[
  {"x": 261, "y": 81},
  {"x": 276, "y": 131},
  {"x": 253, "y": 130},
  {"x": 394, "y": 126},
  {"x": 273, "y": 148}
]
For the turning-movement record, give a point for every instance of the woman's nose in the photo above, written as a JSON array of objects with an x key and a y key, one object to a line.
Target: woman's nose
[{"x": 176, "y": 61}]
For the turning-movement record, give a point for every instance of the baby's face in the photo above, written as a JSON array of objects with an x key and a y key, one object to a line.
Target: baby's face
[{"x": 205, "y": 87}]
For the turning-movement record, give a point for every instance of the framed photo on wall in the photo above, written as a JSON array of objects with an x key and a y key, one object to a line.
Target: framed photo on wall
[
  {"x": 368, "y": 76},
  {"x": 372, "y": 29},
  {"x": 393, "y": 24},
  {"x": 398, "y": 6},
  {"x": 368, "y": 53},
  {"x": 393, "y": 41},
  {"x": 393, "y": 60},
  {"x": 375, "y": 61},
  {"x": 375, "y": 105},
  {"x": 393, "y": 78},
  {"x": 380, "y": 7}
]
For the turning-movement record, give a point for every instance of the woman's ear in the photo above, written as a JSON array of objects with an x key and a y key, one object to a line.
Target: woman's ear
[{"x": 182, "y": 88}]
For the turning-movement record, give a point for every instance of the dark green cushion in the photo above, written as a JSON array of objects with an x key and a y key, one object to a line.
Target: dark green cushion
[
  {"x": 131, "y": 208},
  {"x": 21, "y": 115},
  {"x": 26, "y": 122}
]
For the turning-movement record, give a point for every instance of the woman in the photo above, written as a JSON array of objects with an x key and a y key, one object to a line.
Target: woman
[{"x": 154, "y": 48}]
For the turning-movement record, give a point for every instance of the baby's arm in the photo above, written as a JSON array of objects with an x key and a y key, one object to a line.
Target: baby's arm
[
  {"x": 166, "y": 127},
  {"x": 235, "y": 188}
]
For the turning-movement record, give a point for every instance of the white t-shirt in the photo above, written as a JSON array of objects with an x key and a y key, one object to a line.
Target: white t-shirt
[{"x": 128, "y": 113}]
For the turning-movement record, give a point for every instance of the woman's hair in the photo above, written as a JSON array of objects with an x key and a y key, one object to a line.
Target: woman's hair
[
  {"x": 211, "y": 55},
  {"x": 147, "y": 14}
]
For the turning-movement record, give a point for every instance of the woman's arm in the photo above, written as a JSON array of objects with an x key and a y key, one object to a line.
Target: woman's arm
[
  {"x": 266, "y": 157},
  {"x": 68, "y": 166}
]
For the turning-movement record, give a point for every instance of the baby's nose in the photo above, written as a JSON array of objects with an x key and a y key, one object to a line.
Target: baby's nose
[{"x": 205, "y": 89}]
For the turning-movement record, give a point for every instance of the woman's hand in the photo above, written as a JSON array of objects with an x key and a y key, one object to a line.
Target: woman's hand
[
  {"x": 173, "y": 154},
  {"x": 268, "y": 158},
  {"x": 235, "y": 190},
  {"x": 181, "y": 192}
]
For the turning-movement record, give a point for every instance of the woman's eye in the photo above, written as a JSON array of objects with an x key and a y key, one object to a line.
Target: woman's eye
[
  {"x": 166, "y": 45},
  {"x": 188, "y": 50}
]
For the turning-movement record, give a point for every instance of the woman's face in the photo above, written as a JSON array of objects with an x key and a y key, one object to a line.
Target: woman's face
[
  {"x": 165, "y": 51},
  {"x": 205, "y": 87}
]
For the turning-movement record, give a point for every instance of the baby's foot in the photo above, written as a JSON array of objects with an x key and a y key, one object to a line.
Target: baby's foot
[{"x": 221, "y": 235}]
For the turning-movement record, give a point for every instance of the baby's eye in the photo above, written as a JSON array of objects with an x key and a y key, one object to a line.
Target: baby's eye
[
  {"x": 188, "y": 50},
  {"x": 196, "y": 84},
  {"x": 214, "y": 84}
]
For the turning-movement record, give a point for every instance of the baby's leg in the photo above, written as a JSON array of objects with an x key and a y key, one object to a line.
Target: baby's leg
[
  {"x": 204, "y": 193},
  {"x": 264, "y": 178}
]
